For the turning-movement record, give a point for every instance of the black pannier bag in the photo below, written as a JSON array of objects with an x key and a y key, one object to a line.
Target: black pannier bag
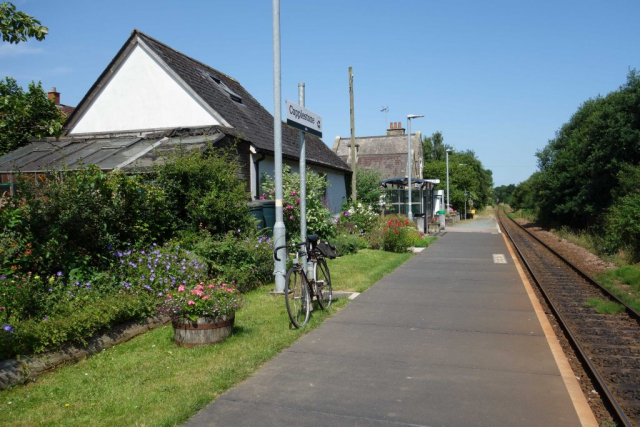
[{"x": 326, "y": 249}]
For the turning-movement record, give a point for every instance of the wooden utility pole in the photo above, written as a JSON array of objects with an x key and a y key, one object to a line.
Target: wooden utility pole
[{"x": 353, "y": 140}]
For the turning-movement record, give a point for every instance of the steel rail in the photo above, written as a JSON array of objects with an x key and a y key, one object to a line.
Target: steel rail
[
  {"x": 573, "y": 340},
  {"x": 630, "y": 310}
]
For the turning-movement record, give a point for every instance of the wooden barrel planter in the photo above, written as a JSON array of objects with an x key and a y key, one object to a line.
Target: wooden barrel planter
[{"x": 204, "y": 331}]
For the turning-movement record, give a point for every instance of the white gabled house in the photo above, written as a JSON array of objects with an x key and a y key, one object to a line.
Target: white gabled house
[{"x": 151, "y": 98}]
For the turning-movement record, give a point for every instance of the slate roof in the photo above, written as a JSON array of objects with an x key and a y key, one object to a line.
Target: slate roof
[
  {"x": 386, "y": 154},
  {"x": 248, "y": 119}
]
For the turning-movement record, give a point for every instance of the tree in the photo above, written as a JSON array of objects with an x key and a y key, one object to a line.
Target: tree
[
  {"x": 579, "y": 168},
  {"x": 368, "y": 186},
  {"x": 503, "y": 193},
  {"x": 17, "y": 26},
  {"x": 434, "y": 148},
  {"x": 25, "y": 115},
  {"x": 465, "y": 174}
]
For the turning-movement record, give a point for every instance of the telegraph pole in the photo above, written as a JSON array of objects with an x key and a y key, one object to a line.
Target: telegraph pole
[{"x": 353, "y": 140}]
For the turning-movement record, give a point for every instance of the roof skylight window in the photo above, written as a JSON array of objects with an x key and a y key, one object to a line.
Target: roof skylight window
[{"x": 234, "y": 96}]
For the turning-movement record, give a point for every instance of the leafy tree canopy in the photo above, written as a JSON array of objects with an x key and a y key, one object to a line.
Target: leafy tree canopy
[
  {"x": 17, "y": 26},
  {"x": 503, "y": 193},
  {"x": 466, "y": 174},
  {"x": 25, "y": 115},
  {"x": 368, "y": 187},
  {"x": 579, "y": 168},
  {"x": 434, "y": 148}
]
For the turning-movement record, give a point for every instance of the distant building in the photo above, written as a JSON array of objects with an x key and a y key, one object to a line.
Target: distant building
[
  {"x": 66, "y": 110},
  {"x": 386, "y": 154}
]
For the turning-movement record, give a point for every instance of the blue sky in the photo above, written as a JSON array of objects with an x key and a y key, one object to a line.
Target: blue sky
[{"x": 496, "y": 77}]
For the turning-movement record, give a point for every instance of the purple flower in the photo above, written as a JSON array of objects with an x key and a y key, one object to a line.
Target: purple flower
[
  {"x": 3, "y": 277},
  {"x": 8, "y": 328},
  {"x": 45, "y": 318},
  {"x": 50, "y": 290},
  {"x": 59, "y": 274},
  {"x": 159, "y": 294},
  {"x": 87, "y": 285},
  {"x": 147, "y": 287}
]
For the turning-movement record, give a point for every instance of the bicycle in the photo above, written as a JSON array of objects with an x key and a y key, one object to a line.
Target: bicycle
[{"x": 300, "y": 288}]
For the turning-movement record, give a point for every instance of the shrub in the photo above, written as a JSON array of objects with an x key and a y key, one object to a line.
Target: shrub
[
  {"x": 348, "y": 244},
  {"x": 623, "y": 225},
  {"x": 72, "y": 220},
  {"x": 246, "y": 261},
  {"x": 203, "y": 188},
  {"x": 397, "y": 235},
  {"x": 74, "y": 321},
  {"x": 319, "y": 219},
  {"x": 157, "y": 270},
  {"x": 363, "y": 219}
]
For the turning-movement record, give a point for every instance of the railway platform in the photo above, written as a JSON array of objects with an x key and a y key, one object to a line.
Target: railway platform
[{"x": 451, "y": 338}]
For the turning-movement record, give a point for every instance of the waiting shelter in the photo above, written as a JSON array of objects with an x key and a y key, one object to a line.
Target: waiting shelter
[{"x": 395, "y": 198}]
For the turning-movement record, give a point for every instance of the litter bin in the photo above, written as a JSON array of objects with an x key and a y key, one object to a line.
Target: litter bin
[
  {"x": 255, "y": 209},
  {"x": 269, "y": 213}
]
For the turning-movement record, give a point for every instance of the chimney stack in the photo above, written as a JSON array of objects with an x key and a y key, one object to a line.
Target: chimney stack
[
  {"x": 395, "y": 128},
  {"x": 53, "y": 94}
]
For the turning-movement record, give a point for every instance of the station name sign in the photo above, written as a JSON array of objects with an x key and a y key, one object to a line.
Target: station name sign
[{"x": 303, "y": 119}]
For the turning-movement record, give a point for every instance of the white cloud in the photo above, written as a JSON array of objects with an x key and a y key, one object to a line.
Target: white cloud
[{"x": 7, "y": 49}]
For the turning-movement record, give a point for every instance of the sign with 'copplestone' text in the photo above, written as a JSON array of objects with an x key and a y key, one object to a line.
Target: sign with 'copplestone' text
[{"x": 303, "y": 119}]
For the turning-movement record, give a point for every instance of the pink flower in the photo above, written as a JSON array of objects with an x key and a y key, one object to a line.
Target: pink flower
[
  {"x": 206, "y": 297},
  {"x": 200, "y": 287},
  {"x": 169, "y": 296},
  {"x": 229, "y": 290},
  {"x": 191, "y": 302},
  {"x": 211, "y": 286},
  {"x": 224, "y": 285},
  {"x": 181, "y": 288},
  {"x": 294, "y": 192},
  {"x": 290, "y": 216},
  {"x": 289, "y": 207},
  {"x": 298, "y": 200},
  {"x": 199, "y": 292}
]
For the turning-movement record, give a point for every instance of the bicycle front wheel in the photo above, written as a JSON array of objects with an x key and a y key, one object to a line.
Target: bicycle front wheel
[
  {"x": 323, "y": 284},
  {"x": 296, "y": 293}
]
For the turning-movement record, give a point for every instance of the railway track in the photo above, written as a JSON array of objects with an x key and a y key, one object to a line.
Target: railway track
[{"x": 609, "y": 344}]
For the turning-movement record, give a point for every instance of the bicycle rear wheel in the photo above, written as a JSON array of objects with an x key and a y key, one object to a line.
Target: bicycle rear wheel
[
  {"x": 323, "y": 284},
  {"x": 296, "y": 293}
]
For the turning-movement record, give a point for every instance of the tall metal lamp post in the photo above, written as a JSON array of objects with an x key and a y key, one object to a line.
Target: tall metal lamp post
[
  {"x": 409, "y": 117},
  {"x": 448, "y": 203}
]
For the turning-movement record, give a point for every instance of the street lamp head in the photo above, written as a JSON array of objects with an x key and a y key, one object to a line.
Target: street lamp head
[
  {"x": 449, "y": 150},
  {"x": 414, "y": 116}
]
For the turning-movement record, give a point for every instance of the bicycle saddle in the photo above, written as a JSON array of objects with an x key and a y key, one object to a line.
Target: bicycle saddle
[{"x": 313, "y": 238}]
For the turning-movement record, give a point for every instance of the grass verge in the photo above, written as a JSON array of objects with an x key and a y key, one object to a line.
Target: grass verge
[
  {"x": 624, "y": 282},
  {"x": 355, "y": 273},
  {"x": 150, "y": 381},
  {"x": 604, "y": 306}
]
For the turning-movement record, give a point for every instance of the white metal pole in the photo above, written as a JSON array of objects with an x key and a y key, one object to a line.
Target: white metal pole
[
  {"x": 409, "y": 213},
  {"x": 303, "y": 180},
  {"x": 448, "y": 203},
  {"x": 279, "y": 232}
]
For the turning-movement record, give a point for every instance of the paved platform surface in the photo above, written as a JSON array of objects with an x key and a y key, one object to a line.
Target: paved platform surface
[
  {"x": 482, "y": 224},
  {"x": 448, "y": 339}
]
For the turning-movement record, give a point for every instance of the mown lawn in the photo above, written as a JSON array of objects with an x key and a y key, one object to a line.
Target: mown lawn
[{"x": 149, "y": 381}]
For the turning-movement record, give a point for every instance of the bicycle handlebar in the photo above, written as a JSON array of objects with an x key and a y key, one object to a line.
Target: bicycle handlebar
[{"x": 293, "y": 245}]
